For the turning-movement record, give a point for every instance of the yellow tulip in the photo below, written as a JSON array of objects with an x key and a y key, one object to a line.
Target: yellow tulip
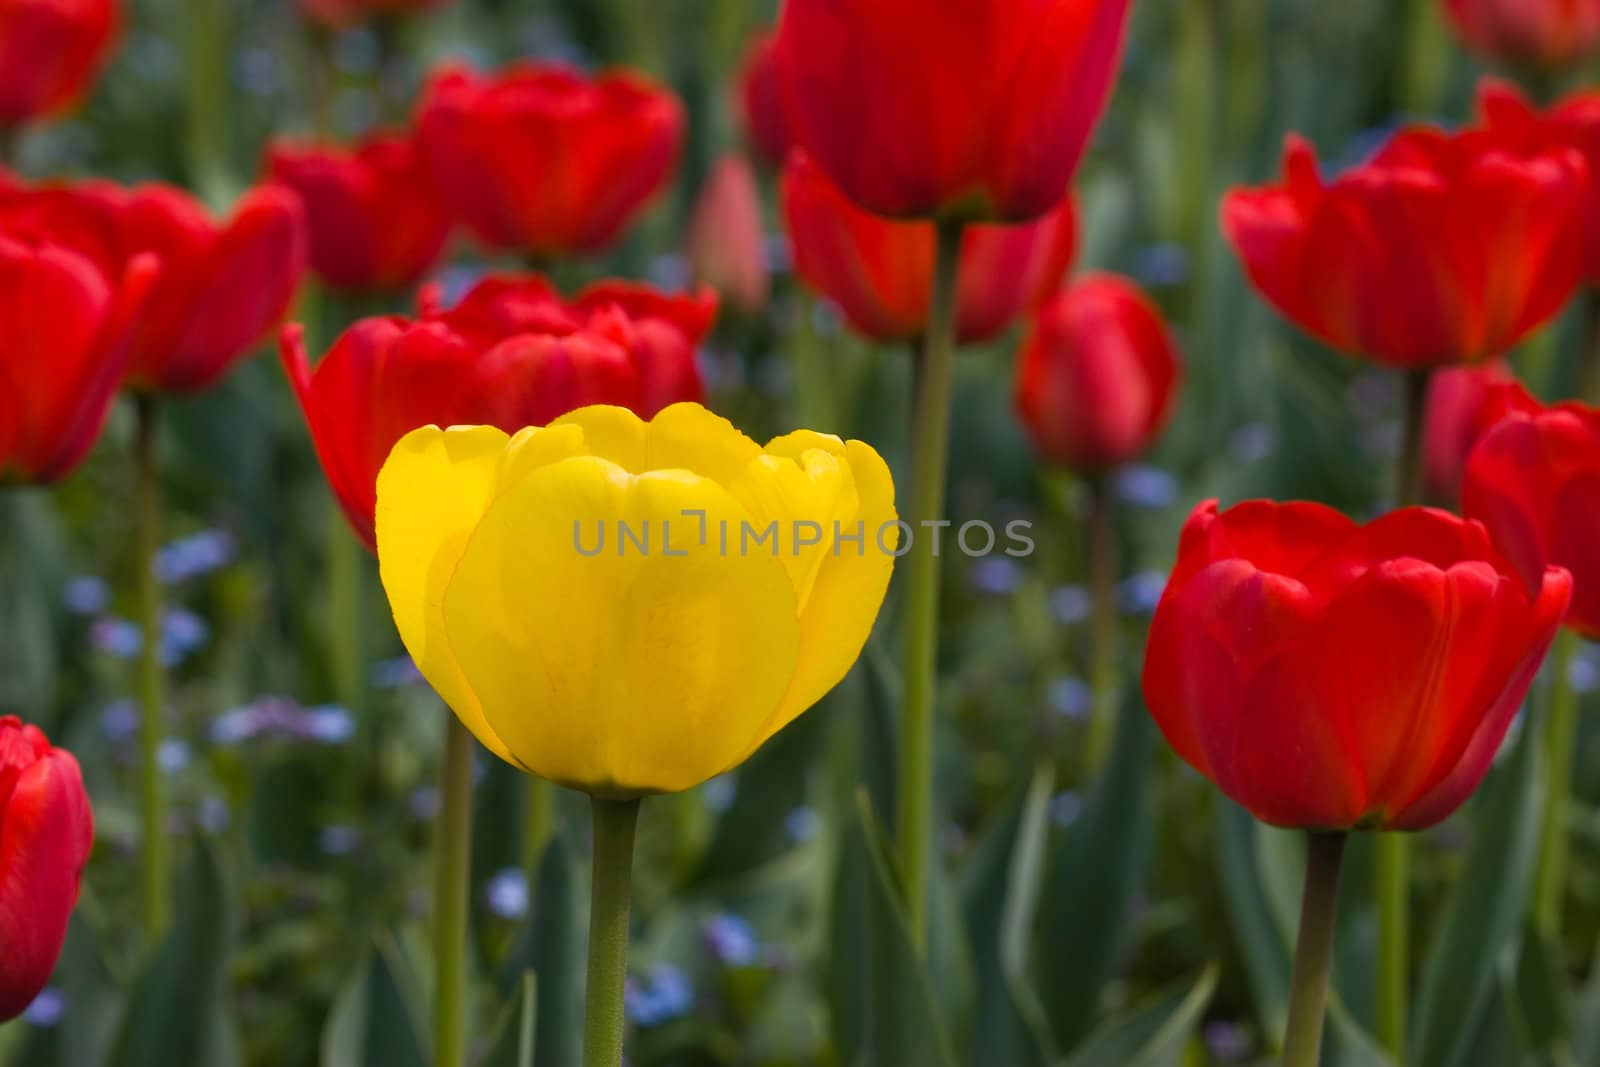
[{"x": 626, "y": 607}]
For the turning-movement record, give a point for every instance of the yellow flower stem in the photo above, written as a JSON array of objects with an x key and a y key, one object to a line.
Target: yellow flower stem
[
  {"x": 930, "y": 446},
  {"x": 611, "y": 895},
  {"x": 1560, "y": 738},
  {"x": 153, "y": 852},
  {"x": 1313, "y": 956},
  {"x": 453, "y": 853},
  {"x": 1102, "y": 561},
  {"x": 1392, "y": 862}
]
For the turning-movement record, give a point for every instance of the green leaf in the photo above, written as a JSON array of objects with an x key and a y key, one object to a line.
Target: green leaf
[
  {"x": 1260, "y": 940},
  {"x": 1534, "y": 988},
  {"x": 1586, "y": 1018},
  {"x": 1152, "y": 1036},
  {"x": 1092, "y": 875},
  {"x": 178, "y": 1012},
  {"x": 882, "y": 1002},
  {"x": 552, "y": 946},
  {"x": 1482, "y": 913},
  {"x": 378, "y": 1018},
  {"x": 512, "y": 1044}
]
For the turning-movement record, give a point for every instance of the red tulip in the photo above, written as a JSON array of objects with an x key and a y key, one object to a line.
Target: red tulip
[
  {"x": 1534, "y": 481},
  {"x": 1453, "y": 423},
  {"x": 727, "y": 242},
  {"x": 1539, "y": 33},
  {"x": 925, "y": 108},
  {"x": 65, "y": 333},
  {"x": 880, "y": 271},
  {"x": 339, "y": 14},
  {"x": 374, "y": 219},
  {"x": 1098, "y": 375},
  {"x": 1331, "y": 676},
  {"x": 760, "y": 102},
  {"x": 1574, "y": 123},
  {"x": 46, "y": 833},
  {"x": 222, "y": 287},
  {"x": 1441, "y": 249},
  {"x": 543, "y": 160},
  {"x": 49, "y": 52},
  {"x": 510, "y": 354}
]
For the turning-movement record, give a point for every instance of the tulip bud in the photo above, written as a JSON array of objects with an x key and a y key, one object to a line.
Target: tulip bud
[
  {"x": 1534, "y": 480},
  {"x": 1329, "y": 676},
  {"x": 1550, "y": 34},
  {"x": 726, "y": 244},
  {"x": 589, "y": 600},
  {"x": 46, "y": 833},
  {"x": 1098, "y": 376},
  {"x": 760, "y": 103},
  {"x": 49, "y": 52}
]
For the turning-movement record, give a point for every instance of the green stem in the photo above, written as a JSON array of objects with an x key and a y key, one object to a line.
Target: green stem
[
  {"x": 1392, "y": 860},
  {"x": 1102, "y": 559},
  {"x": 611, "y": 896},
  {"x": 538, "y": 816},
  {"x": 344, "y": 601},
  {"x": 207, "y": 56},
  {"x": 930, "y": 446},
  {"x": 815, "y": 384},
  {"x": 1589, "y": 354},
  {"x": 1560, "y": 739},
  {"x": 1313, "y": 955},
  {"x": 1427, "y": 60},
  {"x": 153, "y": 850},
  {"x": 453, "y": 854},
  {"x": 1408, "y": 473}
]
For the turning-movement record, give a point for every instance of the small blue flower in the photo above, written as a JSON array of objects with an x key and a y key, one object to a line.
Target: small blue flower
[
  {"x": 235, "y": 725},
  {"x": 1140, "y": 594},
  {"x": 46, "y": 1009},
  {"x": 1162, "y": 265},
  {"x": 182, "y": 632},
  {"x": 719, "y": 793},
  {"x": 86, "y": 595},
  {"x": 120, "y": 720},
  {"x": 996, "y": 575},
  {"x": 666, "y": 995},
  {"x": 507, "y": 894},
  {"x": 1070, "y": 603},
  {"x": 329, "y": 723},
  {"x": 115, "y": 637},
  {"x": 1065, "y": 808},
  {"x": 802, "y": 824},
  {"x": 194, "y": 556},
  {"x": 424, "y": 802},
  {"x": 1147, "y": 487},
  {"x": 173, "y": 755},
  {"x": 213, "y": 815},
  {"x": 1583, "y": 674},
  {"x": 730, "y": 940},
  {"x": 356, "y": 51},
  {"x": 1253, "y": 442},
  {"x": 1071, "y": 698},
  {"x": 394, "y": 673},
  {"x": 1227, "y": 1042},
  {"x": 338, "y": 839}
]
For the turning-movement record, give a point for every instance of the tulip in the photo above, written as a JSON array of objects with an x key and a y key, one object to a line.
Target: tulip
[
  {"x": 880, "y": 272},
  {"x": 630, "y": 671},
  {"x": 50, "y": 50},
  {"x": 1534, "y": 480},
  {"x": 46, "y": 833},
  {"x": 340, "y": 14},
  {"x": 939, "y": 108},
  {"x": 510, "y": 354},
  {"x": 1098, "y": 375},
  {"x": 1454, "y": 422},
  {"x": 760, "y": 102},
  {"x": 374, "y": 221},
  {"x": 1574, "y": 122},
  {"x": 649, "y": 672},
  {"x": 1331, "y": 676},
  {"x": 1441, "y": 249},
  {"x": 726, "y": 245},
  {"x": 65, "y": 333},
  {"x": 1547, "y": 34},
  {"x": 222, "y": 288},
  {"x": 545, "y": 161}
]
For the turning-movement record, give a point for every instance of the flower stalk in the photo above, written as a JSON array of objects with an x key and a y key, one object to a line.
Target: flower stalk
[
  {"x": 615, "y": 822},
  {"x": 453, "y": 854},
  {"x": 153, "y": 851},
  {"x": 1313, "y": 956}
]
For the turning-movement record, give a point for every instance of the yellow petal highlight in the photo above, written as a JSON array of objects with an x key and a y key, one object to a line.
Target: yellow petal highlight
[
  {"x": 620, "y": 672},
  {"x": 432, "y": 491}
]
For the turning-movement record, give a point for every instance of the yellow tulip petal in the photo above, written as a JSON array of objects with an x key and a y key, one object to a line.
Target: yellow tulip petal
[
  {"x": 432, "y": 491},
  {"x": 612, "y": 433},
  {"x": 796, "y": 444},
  {"x": 620, "y": 673},
  {"x": 688, "y": 437},
  {"x": 801, "y": 499},
  {"x": 847, "y": 593},
  {"x": 535, "y": 447}
]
